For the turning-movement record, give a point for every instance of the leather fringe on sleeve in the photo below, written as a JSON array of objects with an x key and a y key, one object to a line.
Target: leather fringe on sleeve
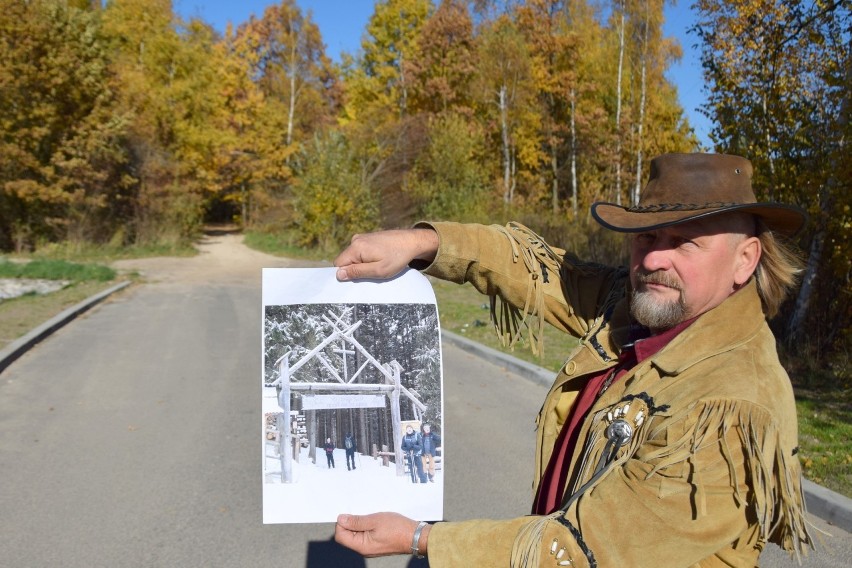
[
  {"x": 773, "y": 471},
  {"x": 774, "y": 476},
  {"x": 542, "y": 263}
]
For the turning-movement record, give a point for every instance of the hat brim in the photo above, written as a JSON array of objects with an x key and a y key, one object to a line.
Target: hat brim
[{"x": 779, "y": 217}]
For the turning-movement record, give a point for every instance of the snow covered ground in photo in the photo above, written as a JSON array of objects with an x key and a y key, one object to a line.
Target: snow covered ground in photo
[{"x": 318, "y": 494}]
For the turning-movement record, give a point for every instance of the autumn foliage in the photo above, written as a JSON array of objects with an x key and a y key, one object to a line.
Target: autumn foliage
[{"x": 123, "y": 123}]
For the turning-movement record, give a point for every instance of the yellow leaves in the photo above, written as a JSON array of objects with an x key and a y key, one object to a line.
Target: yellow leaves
[
  {"x": 30, "y": 191},
  {"x": 62, "y": 192}
]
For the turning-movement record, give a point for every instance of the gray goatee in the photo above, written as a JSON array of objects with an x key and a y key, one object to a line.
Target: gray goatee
[{"x": 652, "y": 312}]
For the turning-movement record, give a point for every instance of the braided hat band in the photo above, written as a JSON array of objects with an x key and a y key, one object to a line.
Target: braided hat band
[
  {"x": 685, "y": 187},
  {"x": 679, "y": 207}
]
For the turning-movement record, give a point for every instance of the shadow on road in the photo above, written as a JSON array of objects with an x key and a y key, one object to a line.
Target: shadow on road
[{"x": 324, "y": 553}]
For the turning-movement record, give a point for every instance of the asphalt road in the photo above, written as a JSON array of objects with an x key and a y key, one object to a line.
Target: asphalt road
[{"x": 129, "y": 438}]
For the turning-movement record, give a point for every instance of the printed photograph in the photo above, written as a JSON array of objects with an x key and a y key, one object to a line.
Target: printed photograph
[{"x": 352, "y": 397}]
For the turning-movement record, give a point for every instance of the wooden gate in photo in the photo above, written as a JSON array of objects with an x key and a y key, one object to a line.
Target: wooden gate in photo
[{"x": 343, "y": 392}]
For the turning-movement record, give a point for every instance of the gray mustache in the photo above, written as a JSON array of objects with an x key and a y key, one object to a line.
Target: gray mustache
[{"x": 658, "y": 278}]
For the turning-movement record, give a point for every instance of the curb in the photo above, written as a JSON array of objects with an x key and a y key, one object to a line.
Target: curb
[
  {"x": 21, "y": 345},
  {"x": 829, "y": 506},
  {"x": 536, "y": 374},
  {"x": 833, "y": 508}
]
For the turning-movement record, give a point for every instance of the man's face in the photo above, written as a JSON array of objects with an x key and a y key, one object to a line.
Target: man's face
[{"x": 682, "y": 271}]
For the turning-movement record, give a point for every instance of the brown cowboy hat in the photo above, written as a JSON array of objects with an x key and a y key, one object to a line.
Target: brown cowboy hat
[{"x": 685, "y": 187}]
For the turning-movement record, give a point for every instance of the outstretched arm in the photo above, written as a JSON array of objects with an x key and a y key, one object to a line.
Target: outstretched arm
[
  {"x": 386, "y": 253},
  {"x": 379, "y": 534}
]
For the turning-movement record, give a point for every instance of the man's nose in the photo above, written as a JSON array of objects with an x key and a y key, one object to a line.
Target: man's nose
[{"x": 657, "y": 258}]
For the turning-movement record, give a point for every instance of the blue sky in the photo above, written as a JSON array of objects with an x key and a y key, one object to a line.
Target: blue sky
[{"x": 342, "y": 22}]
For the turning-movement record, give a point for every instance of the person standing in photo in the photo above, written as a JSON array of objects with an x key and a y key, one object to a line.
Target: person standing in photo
[
  {"x": 431, "y": 443},
  {"x": 329, "y": 452},
  {"x": 349, "y": 446},
  {"x": 412, "y": 445}
]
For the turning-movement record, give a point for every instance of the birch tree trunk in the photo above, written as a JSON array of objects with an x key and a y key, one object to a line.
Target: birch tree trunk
[
  {"x": 618, "y": 109},
  {"x": 769, "y": 155},
  {"x": 294, "y": 68},
  {"x": 504, "y": 128},
  {"x": 291, "y": 111},
  {"x": 639, "y": 129},
  {"x": 573, "y": 154},
  {"x": 803, "y": 299},
  {"x": 554, "y": 187},
  {"x": 795, "y": 325},
  {"x": 513, "y": 177}
]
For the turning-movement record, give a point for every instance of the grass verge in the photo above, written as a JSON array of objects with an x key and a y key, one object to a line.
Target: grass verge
[
  {"x": 825, "y": 431},
  {"x": 282, "y": 244},
  {"x": 56, "y": 270},
  {"x": 20, "y": 315},
  {"x": 464, "y": 311},
  {"x": 91, "y": 253}
]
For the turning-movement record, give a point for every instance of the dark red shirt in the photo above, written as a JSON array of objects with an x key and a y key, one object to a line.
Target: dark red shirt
[{"x": 552, "y": 487}]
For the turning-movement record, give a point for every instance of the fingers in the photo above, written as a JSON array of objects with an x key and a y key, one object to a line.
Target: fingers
[
  {"x": 378, "y": 534},
  {"x": 364, "y": 270},
  {"x": 363, "y": 258},
  {"x": 350, "y": 255},
  {"x": 352, "y": 523},
  {"x": 353, "y": 531},
  {"x": 384, "y": 254},
  {"x": 346, "y": 536},
  {"x": 376, "y": 255}
]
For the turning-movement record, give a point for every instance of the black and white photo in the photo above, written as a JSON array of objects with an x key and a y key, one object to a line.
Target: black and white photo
[{"x": 351, "y": 397}]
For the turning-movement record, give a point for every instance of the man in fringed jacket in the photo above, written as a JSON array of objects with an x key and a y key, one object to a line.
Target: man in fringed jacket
[{"x": 669, "y": 436}]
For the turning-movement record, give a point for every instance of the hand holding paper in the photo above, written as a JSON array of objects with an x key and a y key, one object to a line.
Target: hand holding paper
[
  {"x": 379, "y": 534},
  {"x": 385, "y": 254}
]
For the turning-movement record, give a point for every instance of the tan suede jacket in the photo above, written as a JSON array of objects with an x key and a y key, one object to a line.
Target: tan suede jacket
[{"x": 709, "y": 474}]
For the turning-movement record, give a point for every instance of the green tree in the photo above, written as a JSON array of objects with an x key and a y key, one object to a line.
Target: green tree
[
  {"x": 779, "y": 76},
  {"x": 332, "y": 199},
  {"x": 451, "y": 180}
]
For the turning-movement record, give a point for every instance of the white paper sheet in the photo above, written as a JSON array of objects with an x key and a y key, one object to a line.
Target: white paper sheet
[{"x": 343, "y": 346}]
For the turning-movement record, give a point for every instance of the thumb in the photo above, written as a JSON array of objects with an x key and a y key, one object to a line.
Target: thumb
[{"x": 350, "y": 522}]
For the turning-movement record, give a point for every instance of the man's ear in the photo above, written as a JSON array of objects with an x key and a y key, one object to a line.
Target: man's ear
[{"x": 748, "y": 253}]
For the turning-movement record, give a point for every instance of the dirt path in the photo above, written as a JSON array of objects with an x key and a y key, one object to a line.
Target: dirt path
[{"x": 222, "y": 259}]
